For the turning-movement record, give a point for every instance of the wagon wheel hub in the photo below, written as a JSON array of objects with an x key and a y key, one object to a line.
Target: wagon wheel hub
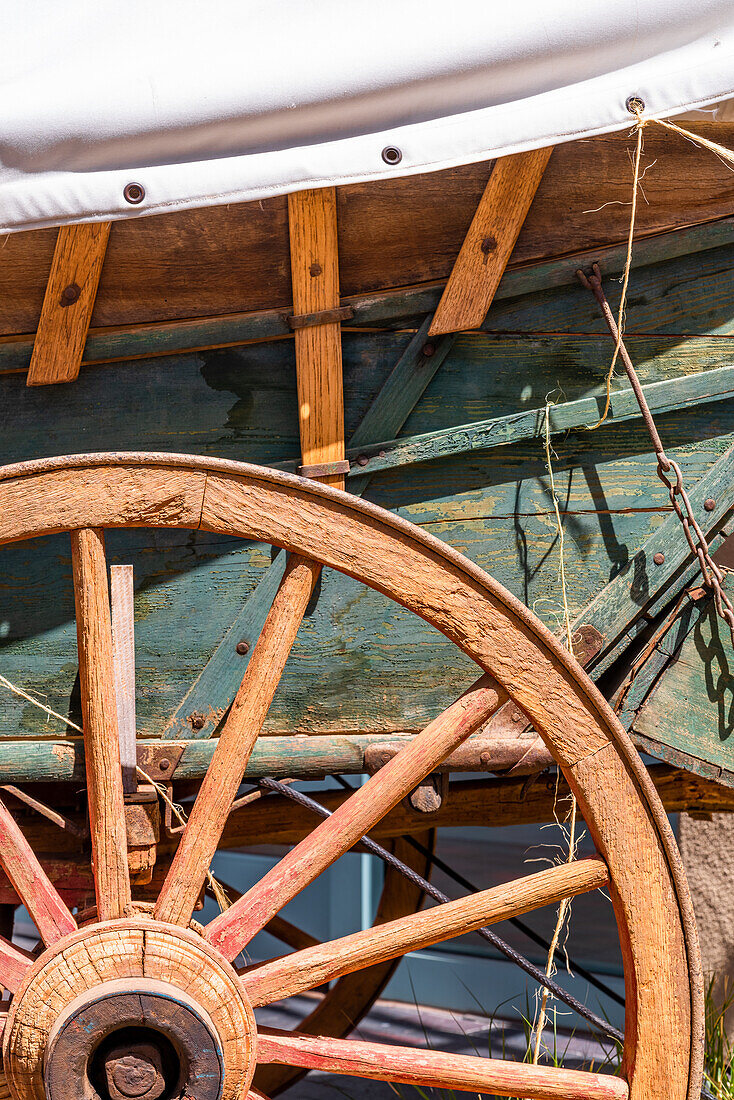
[{"x": 130, "y": 1010}]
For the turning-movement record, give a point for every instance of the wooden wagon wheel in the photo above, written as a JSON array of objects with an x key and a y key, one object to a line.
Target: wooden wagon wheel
[{"x": 192, "y": 1015}]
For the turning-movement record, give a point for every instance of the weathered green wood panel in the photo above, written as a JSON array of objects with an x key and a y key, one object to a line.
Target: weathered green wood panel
[
  {"x": 360, "y": 663},
  {"x": 691, "y": 709}
]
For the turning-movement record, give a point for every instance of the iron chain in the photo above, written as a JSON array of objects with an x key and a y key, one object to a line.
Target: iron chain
[{"x": 668, "y": 470}]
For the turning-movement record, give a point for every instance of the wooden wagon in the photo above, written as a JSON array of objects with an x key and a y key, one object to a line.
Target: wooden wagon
[{"x": 284, "y": 487}]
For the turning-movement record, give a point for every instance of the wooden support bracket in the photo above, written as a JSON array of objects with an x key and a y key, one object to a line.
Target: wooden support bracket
[
  {"x": 68, "y": 303},
  {"x": 489, "y": 242},
  {"x": 315, "y": 275}
]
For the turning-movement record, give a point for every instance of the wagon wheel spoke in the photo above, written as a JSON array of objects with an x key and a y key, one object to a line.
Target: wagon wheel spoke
[
  {"x": 231, "y": 931},
  {"x": 295, "y": 973},
  {"x": 49, "y": 913},
  {"x": 433, "y": 1069},
  {"x": 208, "y": 817},
  {"x": 99, "y": 713},
  {"x": 279, "y": 928}
]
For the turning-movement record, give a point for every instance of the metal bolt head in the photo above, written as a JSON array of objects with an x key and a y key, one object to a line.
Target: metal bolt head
[
  {"x": 709, "y": 504},
  {"x": 134, "y": 193},
  {"x": 428, "y": 350},
  {"x": 70, "y": 294},
  {"x": 242, "y": 648},
  {"x": 197, "y": 721},
  {"x": 135, "y": 1073},
  {"x": 362, "y": 460},
  {"x": 489, "y": 244},
  {"x": 658, "y": 558},
  {"x": 315, "y": 269},
  {"x": 164, "y": 764}
]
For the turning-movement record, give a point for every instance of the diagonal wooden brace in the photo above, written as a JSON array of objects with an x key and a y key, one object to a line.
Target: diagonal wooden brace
[
  {"x": 68, "y": 303},
  {"x": 489, "y": 242}
]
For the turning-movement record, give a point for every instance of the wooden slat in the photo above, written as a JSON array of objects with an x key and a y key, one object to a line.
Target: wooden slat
[
  {"x": 489, "y": 242},
  {"x": 232, "y": 930},
  {"x": 48, "y": 912},
  {"x": 209, "y": 815},
  {"x": 707, "y": 386},
  {"x": 99, "y": 711},
  {"x": 315, "y": 275},
  {"x": 313, "y": 966},
  {"x": 434, "y": 1069},
  {"x": 123, "y": 652},
  {"x": 68, "y": 303}
]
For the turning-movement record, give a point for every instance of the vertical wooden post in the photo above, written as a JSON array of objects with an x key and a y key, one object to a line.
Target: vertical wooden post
[
  {"x": 315, "y": 275},
  {"x": 123, "y": 651},
  {"x": 99, "y": 712}
]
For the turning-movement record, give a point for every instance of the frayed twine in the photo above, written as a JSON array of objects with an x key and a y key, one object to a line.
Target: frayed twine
[{"x": 637, "y": 107}]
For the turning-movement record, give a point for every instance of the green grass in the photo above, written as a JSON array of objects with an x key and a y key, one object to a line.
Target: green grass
[{"x": 719, "y": 1056}]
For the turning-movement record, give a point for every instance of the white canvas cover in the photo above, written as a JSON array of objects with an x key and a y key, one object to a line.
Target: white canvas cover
[{"x": 213, "y": 101}]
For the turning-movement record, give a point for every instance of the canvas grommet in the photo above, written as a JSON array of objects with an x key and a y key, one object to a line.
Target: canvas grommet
[
  {"x": 134, "y": 193},
  {"x": 391, "y": 154},
  {"x": 635, "y": 104}
]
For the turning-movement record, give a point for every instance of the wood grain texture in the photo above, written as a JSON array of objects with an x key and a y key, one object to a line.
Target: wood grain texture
[
  {"x": 434, "y": 1069},
  {"x": 207, "y": 819},
  {"x": 106, "y": 953},
  {"x": 311, "y": 967},
  {"x": 488, "y": 245},
  {"x": 68, "y": 303},
  {"x": 391, "y": 233},
  {"x": 232, "y": 930},
  {"x": 315, "y": 278},
  {"x": 484, "y": 621},
  {"x": 123, "y": 655},
  {"x": 99, "y": 709},
  {"x": 48, "y": 912}
]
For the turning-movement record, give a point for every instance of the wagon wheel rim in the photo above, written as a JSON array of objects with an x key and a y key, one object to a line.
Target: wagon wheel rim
[{"x": 322, "y": 526}]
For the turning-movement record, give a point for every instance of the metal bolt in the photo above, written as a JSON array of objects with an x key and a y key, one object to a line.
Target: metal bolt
[
  {"x": 197, "y": 721},
  {"x": 315, "y": 269},
  {"x": 658, "y": 558},
  {"x": 428, "y": 350},
  {"x": 164, "y": 764},
  {"x": 709, "y": 504},
  {"x": 489, "y": 244},
  {"x": 391, "y": 154},
  {"x": 135, "y": 1073},
  {"x": 134, "y": 193},
  {"x": 242, "y": 648},
  {"x": 70, "y": 294},
  {"x": 362, "y": 460}
]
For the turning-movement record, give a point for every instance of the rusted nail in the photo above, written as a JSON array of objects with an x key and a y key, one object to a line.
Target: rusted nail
[
  {"x": 709, "y": 504},
  {"x": 362, "y": 460},
  {"x": 381, "y": 454},
  {"x": 315, "y": 269},
  {"x": 428, "y": 350},
  {"x": 391, "y": 154},
  {"x": 197, "y": 721},
  {"x": 488, "y": 244},
  {"x": 164, "y": 764},
  {"x": 134, "y": 193},
  {"x": 658, "y": 558},
  {"x": 242, "y": 648},
  {"x": 70, "y": 294}
]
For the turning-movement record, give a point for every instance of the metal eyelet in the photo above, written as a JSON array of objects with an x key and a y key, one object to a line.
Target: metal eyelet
[
  {"x": 391, "y": 154},
  {"x": 134, "y": 193}
]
